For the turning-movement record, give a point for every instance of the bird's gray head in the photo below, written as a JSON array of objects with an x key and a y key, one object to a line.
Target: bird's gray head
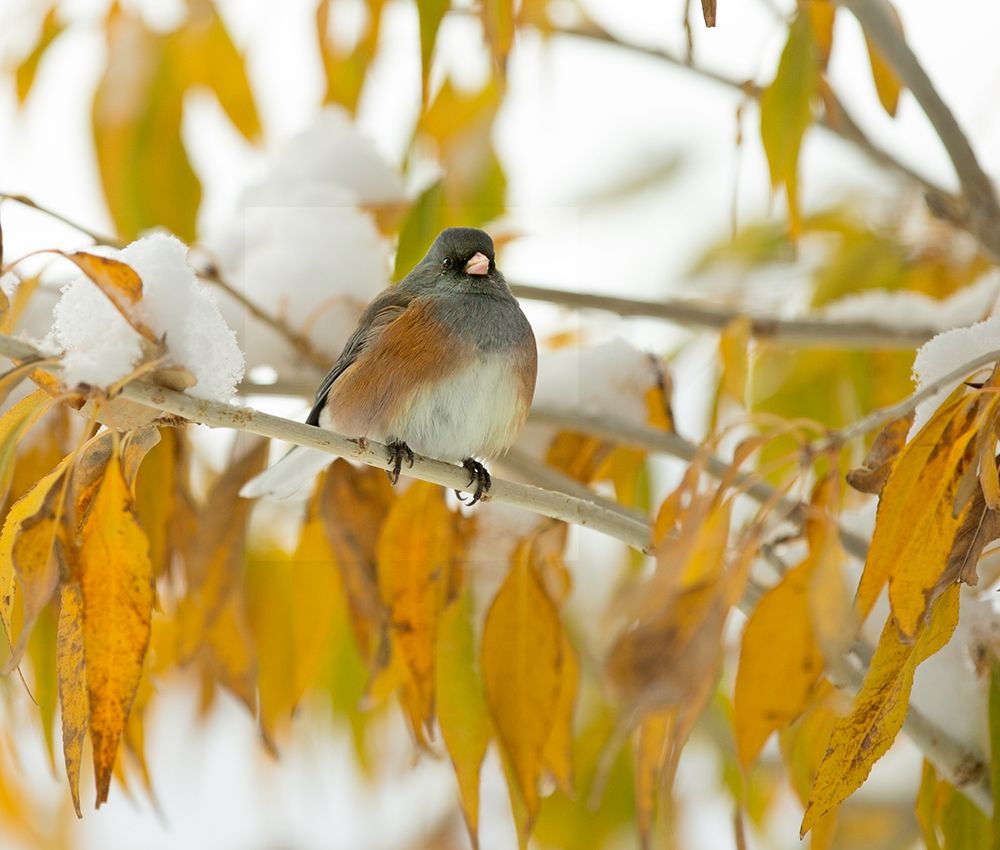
[{"x": 464, "y": 255}]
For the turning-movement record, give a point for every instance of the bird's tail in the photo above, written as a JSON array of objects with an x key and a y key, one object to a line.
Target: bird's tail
[{"x": 289, "y": 475}]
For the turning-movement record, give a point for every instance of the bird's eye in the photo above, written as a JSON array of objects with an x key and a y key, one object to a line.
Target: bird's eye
[{"x": 447, "y": 262}]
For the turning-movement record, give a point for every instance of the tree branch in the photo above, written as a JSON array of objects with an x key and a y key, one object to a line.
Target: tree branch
[
  {"x": 803, "y": 332},
  {"x": 877, "y": 20},
  {"x": 965, "y": 768},
  {"x": 837, "y": 120}
]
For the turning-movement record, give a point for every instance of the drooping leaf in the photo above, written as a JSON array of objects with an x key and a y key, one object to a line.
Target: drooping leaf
[
  {"x": 26, "y": 71},
  {"x": 888, "y": 86},
  {"x": 116, "y": 578},
  {"x": 204, "y": 52},
  {"x": 558, "y": 754},
  {"x": 822, "y": 14},
  {"x": 862, "y": 737},
  {"x": 980, "y": 526},
  {"x": 413, "y": 557},
  {"x": 145, "y": 171},
  {"x": 994, "y": 726},
  {"x": 780, "y": 663},
  {"x": 522, "y": 671},
  {"x": 498, "y": 26},
  {"x": 229, "y": 652},
  {"x": 871, "y": 476},
  {"x": 461, "y": 708},
  {"x": 786, "y": 111},
  {"x": 420, "y": 227},
  {"x": 652, "y": 745},
  {"x": 708, "y": 12},
  {"x": 916, "y": 526},
  {"x": 346, "y": 65},
  {"x": 71, "y": 669},
  {"x": 215, "y": 563},
  {"x": 431, "y": 14},
  {"x": 156, "y": 497},
  {"x": 14, "y": 422}
]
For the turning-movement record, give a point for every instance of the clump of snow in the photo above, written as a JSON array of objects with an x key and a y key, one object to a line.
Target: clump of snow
[
  {"x": 300, "y": 245},
  {"x": 945, "y": 353},
  {"x": 101, "y": 347},
  {"x": 904, "y": 309}
]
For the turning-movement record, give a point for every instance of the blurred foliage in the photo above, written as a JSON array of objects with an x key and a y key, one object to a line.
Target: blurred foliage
[{"x": 117, "y": 569}]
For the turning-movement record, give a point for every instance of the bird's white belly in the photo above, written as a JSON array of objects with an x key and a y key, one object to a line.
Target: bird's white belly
[{"x": 473, "y": 413}]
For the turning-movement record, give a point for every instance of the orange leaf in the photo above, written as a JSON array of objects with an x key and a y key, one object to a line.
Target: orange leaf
[
  {"x": 119, "y": 283},
  {"x": 71, "y": 672},
  {"x": 865, "y": 735},
  {"x": 522, "y": 670},
  {"x": 916, "y": 526},
  {"x": 117, "y": 583},
  {"x": 461, "y": 709},
  {"x": 652, "y": 745},
  {"x": 888, "y": 86},
  {"x": 413, "y": 555}
]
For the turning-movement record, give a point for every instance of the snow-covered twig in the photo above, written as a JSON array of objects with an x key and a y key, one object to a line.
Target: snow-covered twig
[
  {"x": 817, "y": 331},
  {"x": 965, "y": 768},
  {"x": 983, "y": 217}
]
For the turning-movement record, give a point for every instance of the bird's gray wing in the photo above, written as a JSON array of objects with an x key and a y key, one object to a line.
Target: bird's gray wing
[{"x": 383, "y": 310}]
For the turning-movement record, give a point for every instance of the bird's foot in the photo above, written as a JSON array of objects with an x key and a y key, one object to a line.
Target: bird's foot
[
  {"x": 478, "y": 474},
  {"x": 398, "y": 452}
]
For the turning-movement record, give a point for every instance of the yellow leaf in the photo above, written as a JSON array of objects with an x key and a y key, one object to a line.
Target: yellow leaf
[
  {"x": 431, "y": 13},
  {"x": 354, "y": 505},
  {"x": 316, "y": 594},
  {"x": 498, "y": 26},
  {"x": 156, "y": 497},
  {"x": 229, "y": 651},
  {"x": 558, "y": 753},
  {"x": 117, "y": 583},
  {"x": 916, "y": 526},
  {"x": 865, "y": 735},
  {"x": 13, "y": 423},
  {"x": 461, "y": 709},
  {"x": 25, "y": 72},
  {"x": 71, "y": 670},
  {"x": 205, "y": 53},
  {"x": 413, "y": 555},
  {"x": 734, "y": 352},
  {"x": 780, "y": 662},
  {"x": 346, "y": 67},
  {"x": 11, "y": 379},
  {"x": 145, "y": 171},
  {"x": 822, "y": 14},
  {"x": 522, "y": 670},
  {"x": 216, "y": 560},
  {"x": 888, "y": 86},
  {"x": 652, "y": 744},
  {"x": 786, "y": 111}
]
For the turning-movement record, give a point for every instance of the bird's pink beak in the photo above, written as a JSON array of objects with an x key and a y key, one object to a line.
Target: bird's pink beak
[{"x": 479, "y": 264}]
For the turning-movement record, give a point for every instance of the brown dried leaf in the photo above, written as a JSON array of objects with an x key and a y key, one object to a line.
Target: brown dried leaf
[
  {"x": 871, "y": 476},
  {"x": 708, "y": 12},
  {"x": 980, "y": 526}
]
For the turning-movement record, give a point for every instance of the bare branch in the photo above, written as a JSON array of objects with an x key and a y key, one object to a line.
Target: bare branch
[
  {"x": 802, "y": 332},
  {"x": 983, "y": 218},
  {"x": 93, "y": 235},
  {"x": 877, "y": 418}
]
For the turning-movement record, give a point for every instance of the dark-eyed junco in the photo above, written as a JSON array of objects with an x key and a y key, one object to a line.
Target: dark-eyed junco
[{"x": 442, "y": 364}]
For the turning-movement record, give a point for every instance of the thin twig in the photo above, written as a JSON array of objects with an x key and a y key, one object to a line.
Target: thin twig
[
  {"x": 100, "y": 239},
  {"x": 877, "y": 418},
  {"x": 803, "y": 332},
  {"x": 950, "y": 756},
  {"x": 837, "y": 120}
]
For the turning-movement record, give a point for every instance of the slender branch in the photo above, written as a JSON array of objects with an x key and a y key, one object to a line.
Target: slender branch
[
  {"x": 93, "y": 235},
  {"x": 663, "y": 442},
  {"x": 964, "y": 767},
  {"x": 879, "y": 24},
  {"x": 877, "y": 418},
  {"x": 813, "y": 332},
  {"x": 837, "y": 120}
]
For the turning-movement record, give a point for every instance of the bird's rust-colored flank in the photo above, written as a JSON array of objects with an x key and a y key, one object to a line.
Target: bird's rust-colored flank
[{"x": 408, "y": 352}]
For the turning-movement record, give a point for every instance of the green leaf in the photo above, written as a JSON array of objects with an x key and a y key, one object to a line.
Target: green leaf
[
  {"x": 995, "y": 748},
  {"x": 964, "y": 826},
  {"x": 431, "y": 14},
  {"x": 786, "y": 110},
  {"x": 419, "y": 229}
]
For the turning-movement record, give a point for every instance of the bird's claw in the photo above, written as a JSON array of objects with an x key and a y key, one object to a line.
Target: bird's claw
[
  {"x": 398, "y": 452},
  {"x": 478, "y": 474}
]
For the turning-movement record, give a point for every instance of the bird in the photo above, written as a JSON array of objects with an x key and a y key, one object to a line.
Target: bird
[{"x": 441, "y": 364}]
